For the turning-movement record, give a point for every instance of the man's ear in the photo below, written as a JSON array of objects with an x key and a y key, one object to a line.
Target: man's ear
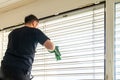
[{"x": 33, "y": 23}]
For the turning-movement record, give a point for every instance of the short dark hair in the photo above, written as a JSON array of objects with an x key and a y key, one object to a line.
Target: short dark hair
[{"x": 30, "y": 18}]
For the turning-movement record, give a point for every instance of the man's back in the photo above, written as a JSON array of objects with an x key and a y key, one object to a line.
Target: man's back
[{"x": 21, "y": 47}]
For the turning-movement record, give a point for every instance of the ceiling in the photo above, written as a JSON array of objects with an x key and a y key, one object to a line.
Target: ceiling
[{"x": 6, "y": 5}]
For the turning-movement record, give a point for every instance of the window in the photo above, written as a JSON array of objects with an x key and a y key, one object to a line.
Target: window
[
  {"x": 117, "y": 42},
  {"x": 80, "y": 37}
]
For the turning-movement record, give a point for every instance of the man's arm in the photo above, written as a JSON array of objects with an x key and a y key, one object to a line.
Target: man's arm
[
  {"x": 49, "y": 45},
  {"x": 52, "y": 49},
  {"x": 45, "y": 41}
]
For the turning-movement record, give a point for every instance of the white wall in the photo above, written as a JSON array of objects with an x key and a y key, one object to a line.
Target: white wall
[{"x": 41, "y": 8}]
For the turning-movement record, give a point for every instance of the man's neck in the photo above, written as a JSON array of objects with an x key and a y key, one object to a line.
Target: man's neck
[{"x": 29, "y": 25}]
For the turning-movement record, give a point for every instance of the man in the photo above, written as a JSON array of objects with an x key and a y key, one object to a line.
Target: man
[{"x": 19, "y": 56}]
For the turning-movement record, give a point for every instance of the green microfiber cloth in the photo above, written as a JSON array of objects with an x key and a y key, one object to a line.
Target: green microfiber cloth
[{"x": 57, "y": 53}]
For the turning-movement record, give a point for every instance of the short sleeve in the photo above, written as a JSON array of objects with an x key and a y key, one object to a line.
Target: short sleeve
[{"x": 41, "y": 37}]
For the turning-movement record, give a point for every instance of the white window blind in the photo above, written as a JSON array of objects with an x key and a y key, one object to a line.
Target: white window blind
[
  {"x": 80, "y": 37},
  {"x": 3, "y": 42},
  {"x": 117, "y": 42},
  {"x": 0, "y": 45}
]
